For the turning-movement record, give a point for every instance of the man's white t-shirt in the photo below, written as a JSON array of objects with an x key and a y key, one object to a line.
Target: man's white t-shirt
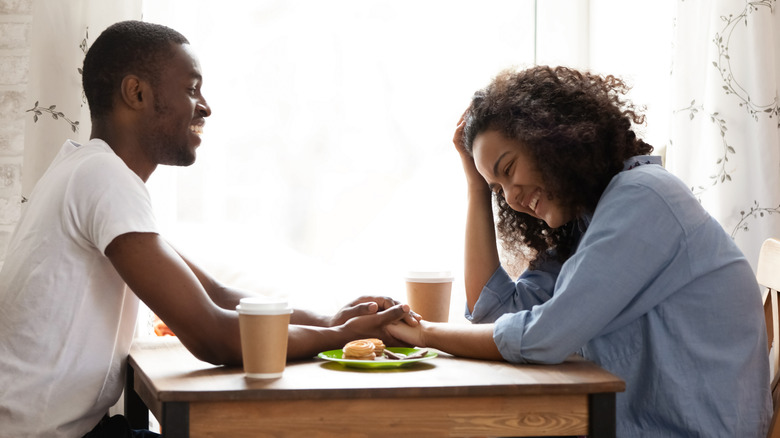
[{"x": 66, "y": 317}]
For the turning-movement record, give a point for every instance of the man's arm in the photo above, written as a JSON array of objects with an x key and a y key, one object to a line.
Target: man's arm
[
  {"x": 223, "y": 296},
  {"x": 228, "y": 298},
  {"x": 201, "y": 311},
  {"x": 164, "y": 281}
]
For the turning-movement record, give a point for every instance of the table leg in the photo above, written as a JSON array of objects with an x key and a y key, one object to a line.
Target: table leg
[
  {"x": 136, "y": 411},
  {"x": 601, "y": 412},
  {"x": 176, "y": 420}
]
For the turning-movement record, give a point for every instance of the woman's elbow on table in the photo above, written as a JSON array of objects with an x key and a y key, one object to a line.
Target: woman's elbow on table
[{"x": 522, "y": 347}]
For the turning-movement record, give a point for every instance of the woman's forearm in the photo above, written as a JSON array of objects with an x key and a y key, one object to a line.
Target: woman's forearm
[
  {"x": 481, "y": 255},
  {"x": 465, "y": 340}
]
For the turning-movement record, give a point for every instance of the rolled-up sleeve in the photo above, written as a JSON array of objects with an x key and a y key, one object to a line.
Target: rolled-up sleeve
[{"x": 503, "y": 295}]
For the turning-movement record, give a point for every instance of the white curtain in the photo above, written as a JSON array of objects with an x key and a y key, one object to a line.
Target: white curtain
[
  {"x": 724, "y": 131},
  {"x": 61, "y": 33}
]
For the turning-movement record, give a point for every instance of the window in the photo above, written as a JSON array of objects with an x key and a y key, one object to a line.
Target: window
[{"x": 327, "y": 166}]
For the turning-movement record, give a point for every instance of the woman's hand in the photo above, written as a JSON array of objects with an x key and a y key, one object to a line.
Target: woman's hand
[
  {"x": 408, "y": 334},
  {"x": 457, "y": 137},
  {"x": 469, "y": 168}
]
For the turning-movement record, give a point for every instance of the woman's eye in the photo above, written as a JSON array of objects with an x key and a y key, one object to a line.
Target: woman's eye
[{"x": 508, "y": 168}]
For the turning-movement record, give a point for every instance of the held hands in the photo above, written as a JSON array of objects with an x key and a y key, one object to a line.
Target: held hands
[
  {"x": 369, "y": 305},
  {"x": 370, "y": 317},
  {"x": 412, "y": 335}
]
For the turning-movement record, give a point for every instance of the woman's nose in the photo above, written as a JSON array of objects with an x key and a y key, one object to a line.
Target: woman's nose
[{"x": 512, "y": 194}]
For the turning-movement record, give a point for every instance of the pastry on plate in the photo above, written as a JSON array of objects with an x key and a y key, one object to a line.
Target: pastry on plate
[{"x": 361, "y": 349}]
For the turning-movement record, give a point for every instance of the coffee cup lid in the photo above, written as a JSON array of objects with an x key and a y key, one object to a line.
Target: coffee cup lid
[
  {"x": 262, "y": 306},
  {"x": 429, "y": 276}
]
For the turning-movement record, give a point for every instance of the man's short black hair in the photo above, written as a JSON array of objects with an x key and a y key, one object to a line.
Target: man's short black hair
[{"x": 127, "y": 47}]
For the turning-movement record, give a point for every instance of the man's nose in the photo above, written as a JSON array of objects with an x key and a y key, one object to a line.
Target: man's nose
[{"x": 203, "y": 108}]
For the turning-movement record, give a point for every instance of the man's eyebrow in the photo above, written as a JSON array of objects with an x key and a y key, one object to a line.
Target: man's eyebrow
[{"x": 498, "y": 161}]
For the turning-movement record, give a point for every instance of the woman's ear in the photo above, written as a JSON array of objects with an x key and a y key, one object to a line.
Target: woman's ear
[{"x": 135, "y": 92}]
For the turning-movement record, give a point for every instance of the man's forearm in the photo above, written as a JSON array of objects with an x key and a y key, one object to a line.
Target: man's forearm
[
  {"x": 305, "y": 342},
  {"x": 307, "y": 317}
]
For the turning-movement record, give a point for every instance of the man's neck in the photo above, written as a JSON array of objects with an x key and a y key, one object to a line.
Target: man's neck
[{"x": 127, "y": 148}]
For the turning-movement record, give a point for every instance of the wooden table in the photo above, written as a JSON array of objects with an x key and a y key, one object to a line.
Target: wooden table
[{"x": 444, "y": 396}]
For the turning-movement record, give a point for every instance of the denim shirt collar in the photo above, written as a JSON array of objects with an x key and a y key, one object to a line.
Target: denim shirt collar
[{"x": 639, "y": 160}]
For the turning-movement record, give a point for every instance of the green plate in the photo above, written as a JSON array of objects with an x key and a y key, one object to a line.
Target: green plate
[{"x": 380, "y": 362}]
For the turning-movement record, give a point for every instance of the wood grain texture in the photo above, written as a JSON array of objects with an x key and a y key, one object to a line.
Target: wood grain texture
[
  {"x": 445, "y": 396},
  {"x": 422, "y": 417}
]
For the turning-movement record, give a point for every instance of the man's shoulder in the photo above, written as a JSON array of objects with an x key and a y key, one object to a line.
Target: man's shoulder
[
  {"x": 93, "y": 159},
  {"x": 93, "y": 149}
]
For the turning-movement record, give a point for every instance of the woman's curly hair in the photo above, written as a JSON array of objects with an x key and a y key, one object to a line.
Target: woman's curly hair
[{"x": 576, "y": 127}]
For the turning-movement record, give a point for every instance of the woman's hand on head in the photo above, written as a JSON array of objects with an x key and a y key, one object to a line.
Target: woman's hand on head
[{"x": 469, "y": 168}]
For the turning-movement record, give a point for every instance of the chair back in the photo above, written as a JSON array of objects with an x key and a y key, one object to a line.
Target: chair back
[{"x": 768, "y": 275}]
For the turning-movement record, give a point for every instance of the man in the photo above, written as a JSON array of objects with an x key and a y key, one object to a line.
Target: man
[{"x": 87, "y": 248}]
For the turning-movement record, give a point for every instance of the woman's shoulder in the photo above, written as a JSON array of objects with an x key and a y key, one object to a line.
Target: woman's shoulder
[
  {"x": 653, "y": 189},
  {"x": 651, "y": 177}
]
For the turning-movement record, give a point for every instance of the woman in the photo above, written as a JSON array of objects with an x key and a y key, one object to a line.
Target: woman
[{"x": 624, "y": 265}]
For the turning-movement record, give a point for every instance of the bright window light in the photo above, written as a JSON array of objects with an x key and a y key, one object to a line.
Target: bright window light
[{"x": 327, "y": 167}]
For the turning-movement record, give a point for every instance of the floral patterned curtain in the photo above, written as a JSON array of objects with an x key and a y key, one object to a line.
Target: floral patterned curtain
[
  {"x": 724, "y": 132},
  {"x": 62, "y": 31},
  {"x": 61, "y": 34}
]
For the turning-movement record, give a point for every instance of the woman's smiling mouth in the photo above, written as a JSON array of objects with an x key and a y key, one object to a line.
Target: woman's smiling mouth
[{"x": 535, "y": 200}]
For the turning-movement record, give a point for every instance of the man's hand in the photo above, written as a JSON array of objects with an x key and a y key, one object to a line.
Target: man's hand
[
  {"x": 375, "y": 325},
  {"x": 368, "y": 305}
]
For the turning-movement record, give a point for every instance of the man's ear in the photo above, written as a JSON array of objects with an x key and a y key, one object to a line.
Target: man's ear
[{"x": 135, "y": 92}]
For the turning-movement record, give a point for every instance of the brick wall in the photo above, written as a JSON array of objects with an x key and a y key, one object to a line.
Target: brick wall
[{"x": 15, "y": 28}]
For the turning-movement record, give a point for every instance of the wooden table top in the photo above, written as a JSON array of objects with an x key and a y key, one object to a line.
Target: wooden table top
[{"x": 173, "y": 374}]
